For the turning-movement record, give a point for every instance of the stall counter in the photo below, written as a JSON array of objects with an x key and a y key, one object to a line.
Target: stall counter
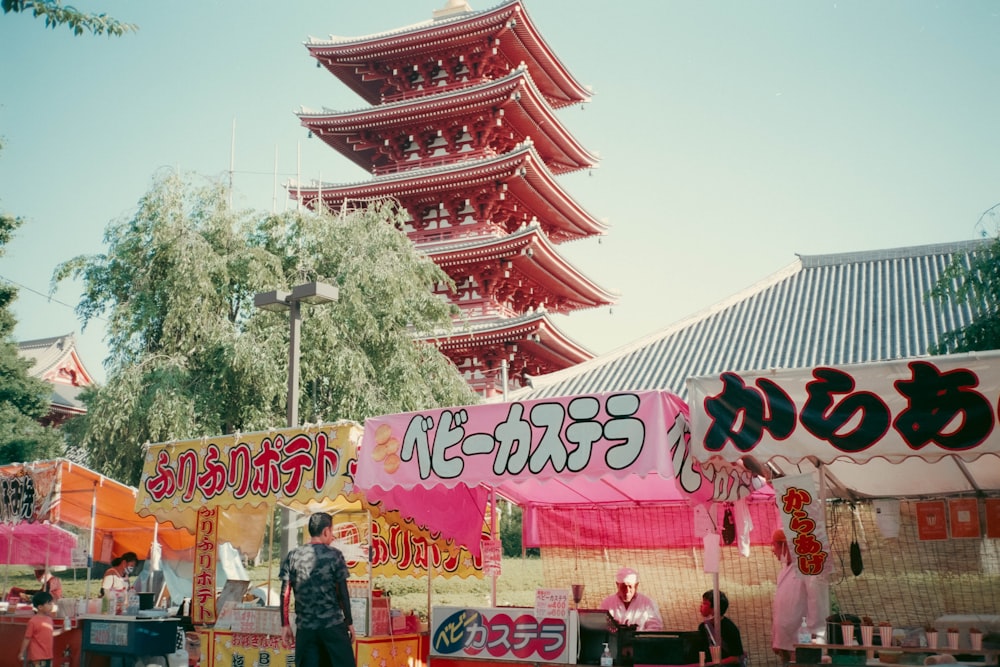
[
  {"x": 12, "y": 634},
  {"x": 233, "y": 648}
]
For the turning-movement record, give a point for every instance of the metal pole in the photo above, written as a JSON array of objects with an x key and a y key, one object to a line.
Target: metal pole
[
  {"x": 292, "y": 407},
  {"x": 503, "y": 378},
  {"x": 294, "y": 328},
  {"x": 90, "y": 547}
]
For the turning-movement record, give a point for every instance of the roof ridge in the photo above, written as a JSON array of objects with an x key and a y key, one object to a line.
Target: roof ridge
[
  {"x": 413, "y": 27},
  {"x": 855, "y": 257},
  {"x": 47, "y": 342}
]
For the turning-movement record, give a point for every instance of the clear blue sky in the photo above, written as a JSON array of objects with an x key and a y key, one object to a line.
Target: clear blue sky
[{"x": 732, "y": 135}]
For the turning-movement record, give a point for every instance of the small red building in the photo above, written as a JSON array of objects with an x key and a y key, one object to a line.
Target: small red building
[
  {"x": 56, "y": 362},
  {"x": 462, "y": 132}
]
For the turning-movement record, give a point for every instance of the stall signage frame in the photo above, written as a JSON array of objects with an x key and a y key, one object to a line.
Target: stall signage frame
[
  {"x": 283, "y": 466},
  {"x": 503, "y": 634}
]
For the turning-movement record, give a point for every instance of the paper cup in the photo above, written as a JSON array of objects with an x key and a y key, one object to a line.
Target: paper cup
[
  {"x": 847, "y": 632},
  {"x": 976, "y": 639},
  {"x": 701, "y": 658},
  {"x": 716, "y": 653},
  {"x": 931, "y": 639},
  {"x": 885, "y": 635},
  {"x": 866, "y": 634},
  {"x": 953, "y": 641}
]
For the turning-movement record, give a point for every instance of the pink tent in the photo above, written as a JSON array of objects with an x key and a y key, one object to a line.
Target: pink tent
[
  {"x": 598, "y": 452},
  {"x": 36, "y": 544}
]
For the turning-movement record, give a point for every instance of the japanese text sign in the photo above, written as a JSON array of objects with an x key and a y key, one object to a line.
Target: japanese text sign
[
  {"x": 288, "y": 466},
  {"x": 501, "y": 634},
  {"x": 400, "y": 548},
  {"x": 29, "y": 495},
  {"x": 205, "y": 560},
  {"x": 804, "y": 522},
  {"x": 596, "y": 435},
  {"x": 552, "y": 603},
  {"x": 929, "y": 407}
]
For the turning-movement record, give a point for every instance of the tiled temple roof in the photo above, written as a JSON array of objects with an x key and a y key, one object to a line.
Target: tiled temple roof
[{"x": 822, "y": 309}]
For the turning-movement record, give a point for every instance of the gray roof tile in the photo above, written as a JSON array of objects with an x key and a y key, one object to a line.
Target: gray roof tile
[{"x": 822, "y": 309}]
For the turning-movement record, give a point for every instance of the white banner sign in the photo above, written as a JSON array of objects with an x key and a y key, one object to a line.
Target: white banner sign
[{"x": 929, "y": 407}]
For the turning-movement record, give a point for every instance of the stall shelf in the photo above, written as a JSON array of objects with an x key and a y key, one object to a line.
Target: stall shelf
[
  {"x": 807, "y": 655},
  {"x": 258, "y": 648},
  {"x": 12, "y": 628}
]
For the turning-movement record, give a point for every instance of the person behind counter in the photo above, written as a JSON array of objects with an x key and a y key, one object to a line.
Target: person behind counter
[
  {"x": 116, "y": 576},
  {"x": 49, "y": 583},
  {"x": 37, "y": 644},
  {"x": 630, "y": 607},
  {"x": 316, "y": 573},
  {"x": 732, "y": 643},
  {"x": 796, "y": 596}
]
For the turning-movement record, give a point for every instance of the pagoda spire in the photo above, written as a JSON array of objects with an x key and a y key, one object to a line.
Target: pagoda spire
[
  {"x": 451, "y": 8},
  {"x": 462, "y": 134}
]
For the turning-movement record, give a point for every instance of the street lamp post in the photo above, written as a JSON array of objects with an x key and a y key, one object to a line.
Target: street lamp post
[{"x": 278, "y": 300}]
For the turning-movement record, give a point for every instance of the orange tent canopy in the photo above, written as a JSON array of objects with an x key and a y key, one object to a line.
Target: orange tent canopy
[{"x": 67, "y": 493}]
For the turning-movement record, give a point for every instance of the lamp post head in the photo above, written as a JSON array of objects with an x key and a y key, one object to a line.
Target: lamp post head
[
  {"x": 275, "y": 300},
  {"x": 315, "y": 293}
]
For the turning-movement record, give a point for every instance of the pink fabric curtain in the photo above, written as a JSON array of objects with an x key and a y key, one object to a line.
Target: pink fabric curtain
[{"x": 36, "y": 544}]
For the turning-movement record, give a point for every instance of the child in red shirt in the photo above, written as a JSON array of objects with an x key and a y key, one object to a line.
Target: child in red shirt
[{"x": 37, "y": 644}]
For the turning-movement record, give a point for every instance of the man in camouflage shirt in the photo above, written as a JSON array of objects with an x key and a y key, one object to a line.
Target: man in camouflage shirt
[{"x": 317, "y": 574}]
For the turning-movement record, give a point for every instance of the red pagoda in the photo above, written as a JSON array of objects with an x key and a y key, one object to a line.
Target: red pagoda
[{"x": 461, "y": 133}]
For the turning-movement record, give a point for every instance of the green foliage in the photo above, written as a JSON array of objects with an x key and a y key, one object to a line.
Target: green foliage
[
  {"x": 23, "y": 399},
  {"x": 56, "y": 14},
  {"x": 978, "y": 287},
  {"x": 511, "y": 532},
  {"x": 190, "y": 355}
]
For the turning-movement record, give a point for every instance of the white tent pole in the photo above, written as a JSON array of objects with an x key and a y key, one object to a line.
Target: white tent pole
[
  {"x": 90, "y": 547},
  {"x": 493, "y": 533}
]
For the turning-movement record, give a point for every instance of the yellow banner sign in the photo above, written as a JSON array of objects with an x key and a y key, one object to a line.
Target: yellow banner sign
[{"x": 293, "y": 467}]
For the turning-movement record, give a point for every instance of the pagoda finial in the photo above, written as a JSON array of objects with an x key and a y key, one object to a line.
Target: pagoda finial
[{"x": 451, "y": 8}]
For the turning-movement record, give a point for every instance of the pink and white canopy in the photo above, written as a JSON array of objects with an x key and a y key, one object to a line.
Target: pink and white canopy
[
  {"x": 909, "y": 427},
  {"x": 35, "y": 543},
  {"x": 620, "y": 449}
]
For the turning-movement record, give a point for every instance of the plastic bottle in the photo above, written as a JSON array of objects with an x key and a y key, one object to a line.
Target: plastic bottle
[
  {"x": 606, "y": 660},
  {"x": 805, "y": 636}
]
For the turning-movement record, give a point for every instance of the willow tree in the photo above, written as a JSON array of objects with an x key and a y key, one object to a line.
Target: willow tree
[{"x": 189, "y": 354}]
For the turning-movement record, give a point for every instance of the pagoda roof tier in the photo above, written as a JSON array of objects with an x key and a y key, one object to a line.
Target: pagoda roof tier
[
  {"x": 530, "y": 343},
  {"x": 492, "y": 118},
  {"x": 514, "y": 189},
  {"x": 450, "y": 51},
  {"x": 523, "y": 267}
]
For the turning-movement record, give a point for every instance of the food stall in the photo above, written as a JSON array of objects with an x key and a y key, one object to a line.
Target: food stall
[
  {"x": 40, "y": 501},
  {"x": 591, "y": 453},
  {"x": 919, "y": 428},
  {"x": 225, "y": 489}
]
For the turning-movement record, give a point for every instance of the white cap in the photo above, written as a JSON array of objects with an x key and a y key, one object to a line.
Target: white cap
[{"x": 627, "y": 575}]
